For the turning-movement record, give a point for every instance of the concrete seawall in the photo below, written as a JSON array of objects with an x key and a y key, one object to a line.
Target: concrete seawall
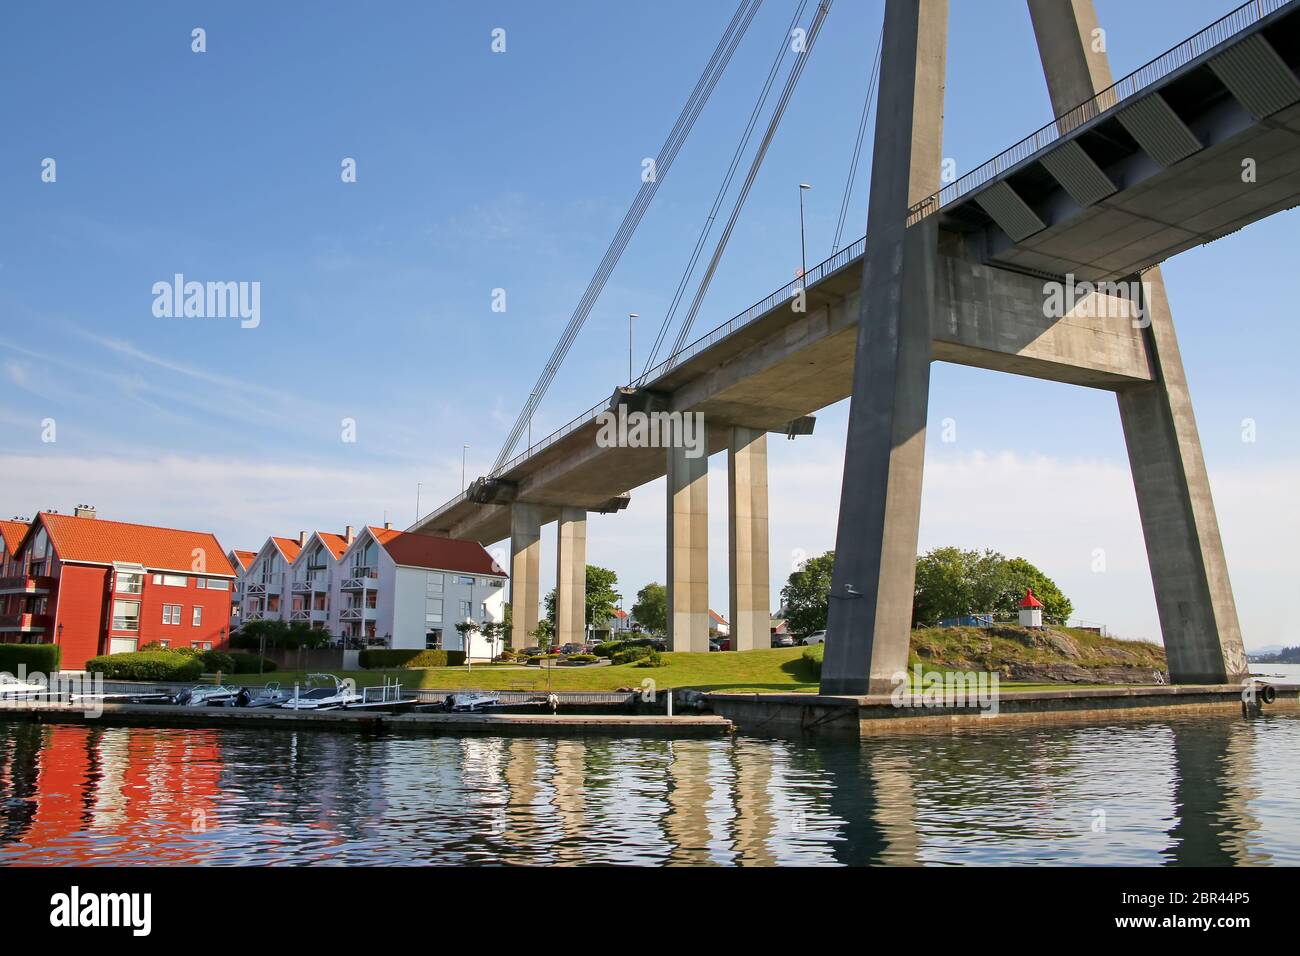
[{"x": 877, "y": 715}]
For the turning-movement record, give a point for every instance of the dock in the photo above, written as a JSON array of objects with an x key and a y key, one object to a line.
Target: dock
[{"x": 371, "y": 722}]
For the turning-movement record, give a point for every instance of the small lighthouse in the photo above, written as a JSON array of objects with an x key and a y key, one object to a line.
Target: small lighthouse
[{"x": 1031, "y": 610}]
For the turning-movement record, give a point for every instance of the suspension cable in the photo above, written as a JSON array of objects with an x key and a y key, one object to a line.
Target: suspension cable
[
  {"x": 823, "y": 8},
  {"x": 713, "y": 70},
  {"x": 857, "y": 148},
  {"x": 711, "y": 218}
]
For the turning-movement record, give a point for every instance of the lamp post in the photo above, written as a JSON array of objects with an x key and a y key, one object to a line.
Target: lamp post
[
  {"x": 417, "y": 501},
  {"x": 630, "y": 317},
  {"x": 463, "y": 449},
  {"x": 803, "y": 252}
]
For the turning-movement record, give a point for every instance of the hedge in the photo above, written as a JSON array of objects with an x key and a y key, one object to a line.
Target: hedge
[
  {"x": 385, "y": 659},
  {"x": 242, "y": 663},
  {"x": 37, "y": 658},
  {"x": 813, "y": 655},
  {"x": 632, "y": 654},
  {"x": 147, "y": 665}
]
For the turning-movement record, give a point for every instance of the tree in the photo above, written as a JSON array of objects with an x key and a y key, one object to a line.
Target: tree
[
  {"x": 651, "y": 608},
  {"x": 543, "y": 633},
  {"x": 467, "y": 630},
  {"x": 1018, "y": 574},
  {"x": 602, "y": 598},
  {"x": 806, "y": 595},
  {"x": 951, "y": 583}
]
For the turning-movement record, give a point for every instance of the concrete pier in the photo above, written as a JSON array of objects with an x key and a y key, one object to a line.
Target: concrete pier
[
  {"x": 571, "y": 575},
  {"x": 870, "y": 616},
  {"x": 1198, "y": 615},
  {"x": 688, "y": 550},
  {"x": 747, "y": 539},
  {"x": 525, "y": 568}
]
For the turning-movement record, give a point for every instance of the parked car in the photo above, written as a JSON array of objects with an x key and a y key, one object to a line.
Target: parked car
[
  {"x": 783, "y": 640},
  {"x": 724, "y": 643},
  {"x": 713, "y": 646},
  {"x": 531, "y": 651},
  {"x": 573, "y": 648},
  {"x": 816, "y": 637}
]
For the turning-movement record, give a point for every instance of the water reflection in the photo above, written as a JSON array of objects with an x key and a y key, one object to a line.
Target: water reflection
[{"x": 1193, "y": 791}]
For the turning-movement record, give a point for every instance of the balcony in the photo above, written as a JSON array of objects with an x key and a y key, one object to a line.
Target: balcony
[
  {"x": 24, "y": 623},
  {"x": 358, "y": 614},
  {"x": 26, "y": 584},
  {"x": 314, "y": 615},
  {"x": 360, "y": 578},
  {"x": 317, "y": 582}
]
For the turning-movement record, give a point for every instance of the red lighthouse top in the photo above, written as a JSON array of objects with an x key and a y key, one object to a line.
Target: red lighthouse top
[{"x": 1030, "y": 600}]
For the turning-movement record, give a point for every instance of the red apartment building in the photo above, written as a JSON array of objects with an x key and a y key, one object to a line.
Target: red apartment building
[{"x": 103, "y": 587}]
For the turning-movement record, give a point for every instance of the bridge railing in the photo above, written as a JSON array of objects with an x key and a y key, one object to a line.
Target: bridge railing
[
  {"x": 1242, "y": 18},
  {"x": 786, "y": 292}
]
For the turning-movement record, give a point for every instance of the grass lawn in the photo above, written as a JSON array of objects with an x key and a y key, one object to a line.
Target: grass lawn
[{"x": 779, "y": 670}]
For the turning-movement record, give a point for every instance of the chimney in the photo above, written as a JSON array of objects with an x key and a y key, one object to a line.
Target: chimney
[
  {"x": 388, "y": 526},
  {"x": 302, "y": 539},
  {"x": 348, "y": 535},
  {"x": 84, "y": 511}
]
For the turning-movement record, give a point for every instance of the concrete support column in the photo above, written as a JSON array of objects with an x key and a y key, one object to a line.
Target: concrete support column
[
  {"x": 688, "y": 547},
  {"x": 750, "y": 608},
  {"x": 1198, "y": 615},
  {"x": 869, "y": 623},
  {"x": 525, "y": 565},
  {"x": 571, "y": 576}
]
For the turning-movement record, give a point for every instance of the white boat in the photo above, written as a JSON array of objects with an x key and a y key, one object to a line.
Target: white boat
[
  {"x": 321, "y": 692},
  {"x": 470, "y": 702},
  {"x": 204, "y": 695},
  {"x": 13, "y": 689},
  {"x": 268, "y": 695}
]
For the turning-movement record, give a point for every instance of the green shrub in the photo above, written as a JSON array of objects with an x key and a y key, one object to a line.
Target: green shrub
[
  {"x": 215, "y": 662},
  {"x": 583, "y": 658},
  {"x": 813, "y": 655},
  {"x": 386, "y": 659},
  {"x": 653, "y": 659},
  {"x": 37, "y": 658},
  {"x": 631, "y": 655},
  {"x": 610, "y": 648},
  {"x": 242, "y": 663},
  {"x": 147, "y": 665}
]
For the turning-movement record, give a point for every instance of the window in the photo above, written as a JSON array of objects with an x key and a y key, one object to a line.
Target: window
[
  {"x": 164, "y": 644},
  {"x": 198, "y": 616},
  {"x": 433, "y": 611},
  {"x": 483, "y": 611},
  {"x": 464, "y": 579},
  {"x": 433, "y": 641},
  {"x": 489, "y": 583},
  {"x": 171, "y": 613},
  {"x": 200, "y": 583},
  {"x": 126, "y": 615},
  {"x": 129, "y": 583},
  {"x": 171, "y": 580},
  {"x": 435, "y": 582},
  {"x": 464, "y": 610},
  {"x": 201, "y": 645},
  {"x": 218, "y": 584}
]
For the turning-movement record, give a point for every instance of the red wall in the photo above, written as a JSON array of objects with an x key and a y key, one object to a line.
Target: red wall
[{"x": 85, "y": 611}]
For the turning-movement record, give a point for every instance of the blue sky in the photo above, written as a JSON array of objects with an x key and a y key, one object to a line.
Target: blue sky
[{"x": 479, "y": 171}]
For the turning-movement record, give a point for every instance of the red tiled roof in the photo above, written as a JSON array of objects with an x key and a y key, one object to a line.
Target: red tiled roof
[
  {"x": 289, "y": 547},
  {"x": 12, "y": 532},
  {"x": 99, "y": 541},
  {"x": 620, "y": 613},
  {"x": 245, "y": 558},
  {"x": 717, "y": 617},
  {"x": 335, "y": 542},
  {"x": 413, "y": 550}
]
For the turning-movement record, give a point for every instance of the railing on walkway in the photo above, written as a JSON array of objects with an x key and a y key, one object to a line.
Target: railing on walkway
[{"x": 1240, "y": 19}]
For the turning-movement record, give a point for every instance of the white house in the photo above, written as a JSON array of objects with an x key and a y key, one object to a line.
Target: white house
[
  {"x": 407, "y": 590},
  {"x": 264, "y": 584}
]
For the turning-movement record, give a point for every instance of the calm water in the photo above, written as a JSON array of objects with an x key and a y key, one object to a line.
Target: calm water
[{"x": 1210, "y": 790}]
